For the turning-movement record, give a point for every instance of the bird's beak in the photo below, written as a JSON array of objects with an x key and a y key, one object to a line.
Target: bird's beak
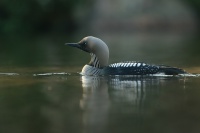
[{"x": 77, "y": 45}]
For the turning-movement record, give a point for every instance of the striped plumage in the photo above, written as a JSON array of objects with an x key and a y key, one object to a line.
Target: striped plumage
[
  {"x": 90, "y": 70},
  {"x": 94, "y": 61},
  {"x": 98, "y": 64},
  {"x": 131, "y": 68}
]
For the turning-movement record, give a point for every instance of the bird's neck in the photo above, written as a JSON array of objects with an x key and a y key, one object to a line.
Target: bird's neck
[
  {"x": 93, "y": 67},
  {"x": 94, "y": 61}
]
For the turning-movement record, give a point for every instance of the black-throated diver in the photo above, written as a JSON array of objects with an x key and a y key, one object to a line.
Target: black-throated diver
[{"x": 98, "y": 64}]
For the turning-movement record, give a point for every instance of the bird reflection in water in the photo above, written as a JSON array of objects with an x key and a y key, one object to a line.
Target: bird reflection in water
[
  {"x": 128, "y": 89},
  {"x": 95, "y": 103},
  {"x": 100, "y": 95}
]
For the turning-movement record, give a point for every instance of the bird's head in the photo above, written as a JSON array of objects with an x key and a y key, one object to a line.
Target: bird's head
[{"x": 96, "y": 47}]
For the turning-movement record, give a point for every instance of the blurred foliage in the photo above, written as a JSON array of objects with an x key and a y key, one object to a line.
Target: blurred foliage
[
  {"x": 29, "y": 17},
  {"x": 32, "y": 32},
  {"x": 28, "y": 29},
  {"x": 37, "y": 16},
  {"x": 195, "y": 5}
]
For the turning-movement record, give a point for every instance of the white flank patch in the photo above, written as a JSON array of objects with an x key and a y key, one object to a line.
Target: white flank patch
[
  {"x": 131, "y": 64},
  {"x": 138, "y": 64}
]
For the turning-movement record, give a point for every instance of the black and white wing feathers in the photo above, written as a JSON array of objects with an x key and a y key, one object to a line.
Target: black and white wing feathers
[{"x": 140, "y": 68}]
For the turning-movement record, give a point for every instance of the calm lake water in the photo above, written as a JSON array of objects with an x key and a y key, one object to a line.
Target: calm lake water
[
  {"x": 41, "y": 90},
  {"x": 58, "y": 102}
]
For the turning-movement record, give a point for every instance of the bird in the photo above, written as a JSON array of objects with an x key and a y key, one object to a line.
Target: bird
[{"x": 98, "y": 64}]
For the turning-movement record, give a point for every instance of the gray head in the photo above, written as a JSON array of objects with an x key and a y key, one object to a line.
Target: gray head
[{"x": 96, "y": 47}]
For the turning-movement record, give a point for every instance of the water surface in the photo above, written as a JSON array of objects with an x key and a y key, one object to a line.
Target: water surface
[{"x": 51, "y": 100}]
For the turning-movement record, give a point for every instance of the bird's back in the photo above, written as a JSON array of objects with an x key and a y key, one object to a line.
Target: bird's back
[{"x": 139, "y": 68}]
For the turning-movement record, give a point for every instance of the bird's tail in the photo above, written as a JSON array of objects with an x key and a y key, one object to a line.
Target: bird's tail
[{"x": 171, "y": 70}]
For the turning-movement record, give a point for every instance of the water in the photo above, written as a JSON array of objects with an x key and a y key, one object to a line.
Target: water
[
  {"x": 56, "y": 101},
  {"x": 41, "y": 90}
]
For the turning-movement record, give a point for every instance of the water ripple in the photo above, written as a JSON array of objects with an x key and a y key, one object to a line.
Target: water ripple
[
  {"x": 9, "y": 74},
  {"x": 51, "y": 74}
]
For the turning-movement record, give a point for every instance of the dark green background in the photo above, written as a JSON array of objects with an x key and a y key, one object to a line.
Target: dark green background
[{"x": 33, "y": 33}]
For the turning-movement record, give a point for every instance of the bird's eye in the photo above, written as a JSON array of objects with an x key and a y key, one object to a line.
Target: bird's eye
[{"x": 84, "y": 44}]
